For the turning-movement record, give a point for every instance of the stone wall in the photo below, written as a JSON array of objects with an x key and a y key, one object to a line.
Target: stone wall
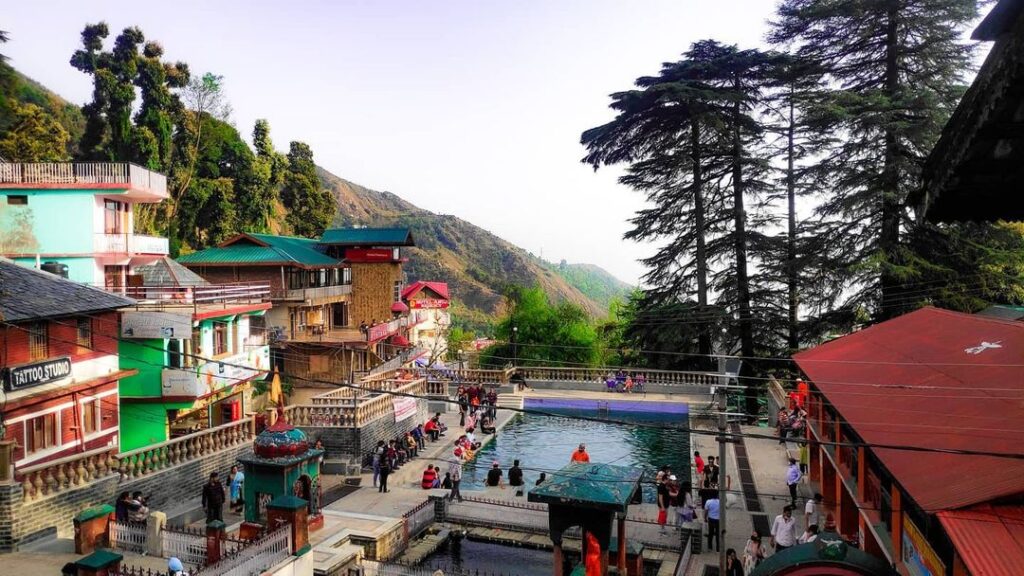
[
  {"x": 23, "y": 522},
  {"x": 357, "y": 442}
]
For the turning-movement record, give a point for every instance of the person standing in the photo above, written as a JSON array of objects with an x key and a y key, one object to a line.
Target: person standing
[
  {"x": 455, "y": 470},
  {"x": 753, "y": 553},
  {"x": 792, "y": 479},
  {"x": 378, "y": 456},
  {"x": 784, "y": 530},
  {"x": 385, "y": 471},
  {"x": 698, "y": 462},
  {"x": 580, "y": 455},
  {"x": 711, "y": 473},
  {"x": 712, "y": 510},
  {"x": 733, "y": 566},
  {"x": 213, "y": 499},
  {"x": 812, "y": 516},
  {"x": 235, "y": 481}
]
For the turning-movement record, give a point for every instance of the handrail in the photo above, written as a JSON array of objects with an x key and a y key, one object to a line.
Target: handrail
[{"x": 83, "y": 173}]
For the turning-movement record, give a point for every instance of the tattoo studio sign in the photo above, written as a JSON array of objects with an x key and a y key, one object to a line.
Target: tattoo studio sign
[{"x": 29, "y": 375}]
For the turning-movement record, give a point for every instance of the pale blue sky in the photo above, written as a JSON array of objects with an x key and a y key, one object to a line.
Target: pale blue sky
[{"x": 471, "y": 108}]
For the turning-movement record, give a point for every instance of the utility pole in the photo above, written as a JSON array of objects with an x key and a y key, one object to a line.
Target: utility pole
[{"x": 722, "y": 484}]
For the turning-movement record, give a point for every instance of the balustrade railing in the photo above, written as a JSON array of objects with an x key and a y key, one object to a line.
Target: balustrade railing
[
  {"x": 322, "y": 416},
  {"x": 83, "y": 173},
  {"x": 142, "y": 461},
  {"x": 255, "y": 557},
  {"x": 66, "y": 473},
  {"x": 665, "y": 377}
]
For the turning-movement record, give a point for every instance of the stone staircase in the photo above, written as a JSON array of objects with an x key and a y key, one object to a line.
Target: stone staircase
[
  {"x": 345, "y": 466},
  {"x": 513, "y": 401}
]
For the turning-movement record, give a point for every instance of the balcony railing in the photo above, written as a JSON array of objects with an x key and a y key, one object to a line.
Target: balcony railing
[
  {"x": 149, "y": 297},
  {"x": 130, "y": 244},
  {"x": 312, "y": 294},
  {"x": 84, "y": 173},
  {"x": 381, "y": 331}
]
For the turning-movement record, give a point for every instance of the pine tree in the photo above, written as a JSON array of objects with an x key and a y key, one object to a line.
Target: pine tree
[
  {"x": 895, "y": 68},
  {"x": 311, "y": 207}
]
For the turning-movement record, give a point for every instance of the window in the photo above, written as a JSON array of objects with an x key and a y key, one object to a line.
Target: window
[
  {"x": 220, "y": 338},
  {"x": 38, "y": 348},
  {"x": 257, "y": 330},
  {"x": 113, "y": 276},
  {"x": 17, "y": 200},
  {"x": 174, "y": 357},
  {"x": 83, "y": 336},
  {"x": 346, "y": 275},
  {"x": 113, "y": 216},
  {"x": 41, "y": 433},
  {"x": 398, "y": 290},
  {"x": 90, "y": 417}
]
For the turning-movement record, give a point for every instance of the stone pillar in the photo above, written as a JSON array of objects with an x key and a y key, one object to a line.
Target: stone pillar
[
  {"x": 291, "y": 510},
  {"x": 6, "y": 461},
  {"x": 100, "y": 563},
  {"x": 216, "y": 531},
  {"x": 154, "y": 543},
  {"x": 92, "y": 529},
  {"x": 622, "y": 544},
  {"x": 440, "y": 508}
]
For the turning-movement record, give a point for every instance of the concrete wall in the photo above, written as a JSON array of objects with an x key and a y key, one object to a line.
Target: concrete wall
[{"x": 171, "y": 489}]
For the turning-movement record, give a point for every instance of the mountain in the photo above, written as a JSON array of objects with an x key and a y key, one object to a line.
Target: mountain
[
  {"x": 476, "y": 264},
  {"x": 593, "y": 281}
]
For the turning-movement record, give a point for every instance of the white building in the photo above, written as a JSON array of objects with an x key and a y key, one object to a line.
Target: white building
[{"x": 431, "y": 300}]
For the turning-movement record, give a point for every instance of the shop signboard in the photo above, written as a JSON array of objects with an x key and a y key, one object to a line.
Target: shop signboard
[
  {"x": 155, "y": 325},
  {"x": 36, "y": 373},
  {"x": 918, "y": 556},
  {"x": 216, "y": 374},
  {"x": 428, "y": 303},
  {"x": 404, "y": 407}
]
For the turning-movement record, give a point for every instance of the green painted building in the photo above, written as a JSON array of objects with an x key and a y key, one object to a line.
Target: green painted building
[{"x": 283, "y": 464}]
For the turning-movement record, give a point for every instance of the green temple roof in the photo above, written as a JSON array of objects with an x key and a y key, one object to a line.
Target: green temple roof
[
  {"x": 591, "y": 485},
  {"x": 828, "y": 549},
  {"x": 99, "y": 559}
]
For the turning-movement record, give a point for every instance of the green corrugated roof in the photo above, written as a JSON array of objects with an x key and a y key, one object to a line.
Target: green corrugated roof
[
  {"x": 590, "y": 485},
  {"x": 368, "y": 237},
  {"x": 278, "y": 250}
]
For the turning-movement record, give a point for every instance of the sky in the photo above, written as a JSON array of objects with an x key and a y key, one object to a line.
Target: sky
[{"x": 469, "y": 108}]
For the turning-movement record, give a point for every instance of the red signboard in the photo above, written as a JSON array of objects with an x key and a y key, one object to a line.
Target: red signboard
[
  {"x": 428, "y": 303},
  {"x": 371, "y": 254}
]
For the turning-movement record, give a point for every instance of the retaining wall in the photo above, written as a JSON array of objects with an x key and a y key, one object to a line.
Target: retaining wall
[{"x": 356, "y": 442}]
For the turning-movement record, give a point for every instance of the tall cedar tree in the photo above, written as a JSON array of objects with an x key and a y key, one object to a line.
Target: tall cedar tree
[
  {"x": 895, "y": 68},
  {"x": 311, "y": 207}
]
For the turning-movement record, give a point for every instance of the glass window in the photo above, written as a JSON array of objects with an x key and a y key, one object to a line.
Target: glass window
[
  {"x": 17, "y": 200},
  {"x": 84, "y": 333},
  {"x": 38, "y": 347},
  {"x": 346, "y": 275},
  {"x": 398, "y": 290},
  {"x": 220, "y": 338},
  {"x": 112, "y": 217},
  {"x": 41, "y": 433},
  {"x": 90, "y": 416},
  {"x": 174, "y": 357}
]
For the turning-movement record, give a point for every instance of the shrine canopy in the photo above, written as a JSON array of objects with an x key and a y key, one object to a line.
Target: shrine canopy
[
  {"x": 828, "y": 554},
  {"x": 590, "y": 485}
]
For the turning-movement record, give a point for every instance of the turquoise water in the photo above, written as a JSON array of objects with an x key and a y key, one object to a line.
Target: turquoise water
[
  {"x": 467, "y": 556},
  {"x": 545, "y": 443}
]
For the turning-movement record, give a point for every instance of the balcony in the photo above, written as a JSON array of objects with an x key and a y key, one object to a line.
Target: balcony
[
  {"x": 214, "y": 376},
  {"x": 130, "y": 244},
  {"x": 206, "y": 301},
  {"x": 313, "y": 296},
  {"x": 139, "y": 183}
]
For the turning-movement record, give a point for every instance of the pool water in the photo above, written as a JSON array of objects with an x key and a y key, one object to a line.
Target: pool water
[
  {"x": 467, "y": 556},
  {"x": 545, "y": 443}
]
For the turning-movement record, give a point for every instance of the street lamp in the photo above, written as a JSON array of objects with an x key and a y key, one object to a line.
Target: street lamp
[{"x": 515, "y": 350}]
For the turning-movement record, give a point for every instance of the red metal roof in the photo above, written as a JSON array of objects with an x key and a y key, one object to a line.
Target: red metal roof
[
  {"x": 989, "y": 539},
  {"x": 439, "y": 288},
  {"x": 934, "y": 379}
]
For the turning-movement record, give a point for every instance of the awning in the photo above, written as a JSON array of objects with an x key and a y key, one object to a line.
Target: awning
[
  {"x": 399, "y": 308},
  {"x": 398, "y": 340}
]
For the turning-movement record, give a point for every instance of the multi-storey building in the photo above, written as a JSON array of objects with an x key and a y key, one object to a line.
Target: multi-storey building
[
  {"x": 337, "y": 307},
  {"x": 431, "y": 299},
  {"x": 79, "y": 215},
  {"x": 58, "y": 353},
  {"x": 195, "y": 349}
]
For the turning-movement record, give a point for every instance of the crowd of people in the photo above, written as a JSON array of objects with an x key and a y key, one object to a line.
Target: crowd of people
[
  {"x": 390, "y": 455},
  {"x": 626, "y": 382}
]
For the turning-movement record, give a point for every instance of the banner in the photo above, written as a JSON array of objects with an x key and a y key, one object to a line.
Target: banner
[
  {"x": 155, "y": 325},
  {"x": 918, "y": 555},
  {"x": 404, "y": 407},
  {"x": 29, "y": 375}
]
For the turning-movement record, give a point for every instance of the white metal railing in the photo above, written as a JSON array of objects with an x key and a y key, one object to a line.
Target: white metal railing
[
  {"x": 149, "y": 296},
  {"x": 187, "y": 545},
  {"x": 317, "y": 293},
  {"x": 129, "y": 536},
  {"x": 83, "y": 173},
  {"x": 256, "y": 557},
  {"x": 380, "y": 331},
  {"x": 130, "y": 243}
]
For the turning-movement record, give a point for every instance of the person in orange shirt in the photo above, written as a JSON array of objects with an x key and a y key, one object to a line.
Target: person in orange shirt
[{"x": 580, "y": 455}]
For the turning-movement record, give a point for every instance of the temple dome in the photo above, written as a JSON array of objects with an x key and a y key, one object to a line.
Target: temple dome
[{"x": 280, "y": 440}]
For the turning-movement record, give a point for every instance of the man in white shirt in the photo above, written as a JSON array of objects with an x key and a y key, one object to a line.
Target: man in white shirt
[
  {"x": 812, "y": 516},
  {"x": 784, "y": 530},
  {"x": 713, "y": 511}
]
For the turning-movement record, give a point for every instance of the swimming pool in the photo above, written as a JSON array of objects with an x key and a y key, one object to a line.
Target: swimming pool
[
  {"x": 467, "y": 556},
  {"x": 545, "y": 443}
]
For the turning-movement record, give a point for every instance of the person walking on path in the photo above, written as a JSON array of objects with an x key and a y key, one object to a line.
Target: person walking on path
[
  {"x": 455, "y": 470},
  {"x": 753, "y": 553},
  {"x": 385, "y": 471},
  {"x": 580, "y": 455},
  {"x": 792, "y": 480},
  {"x": 812, "y": 516},
  {"x": 784, "y": 530},
  {"x": 213, "y": 499},
  {"x": 378, "y": 455},
  {"x": 235, "y": 481},
  {"x": 712, "y": 510}
]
